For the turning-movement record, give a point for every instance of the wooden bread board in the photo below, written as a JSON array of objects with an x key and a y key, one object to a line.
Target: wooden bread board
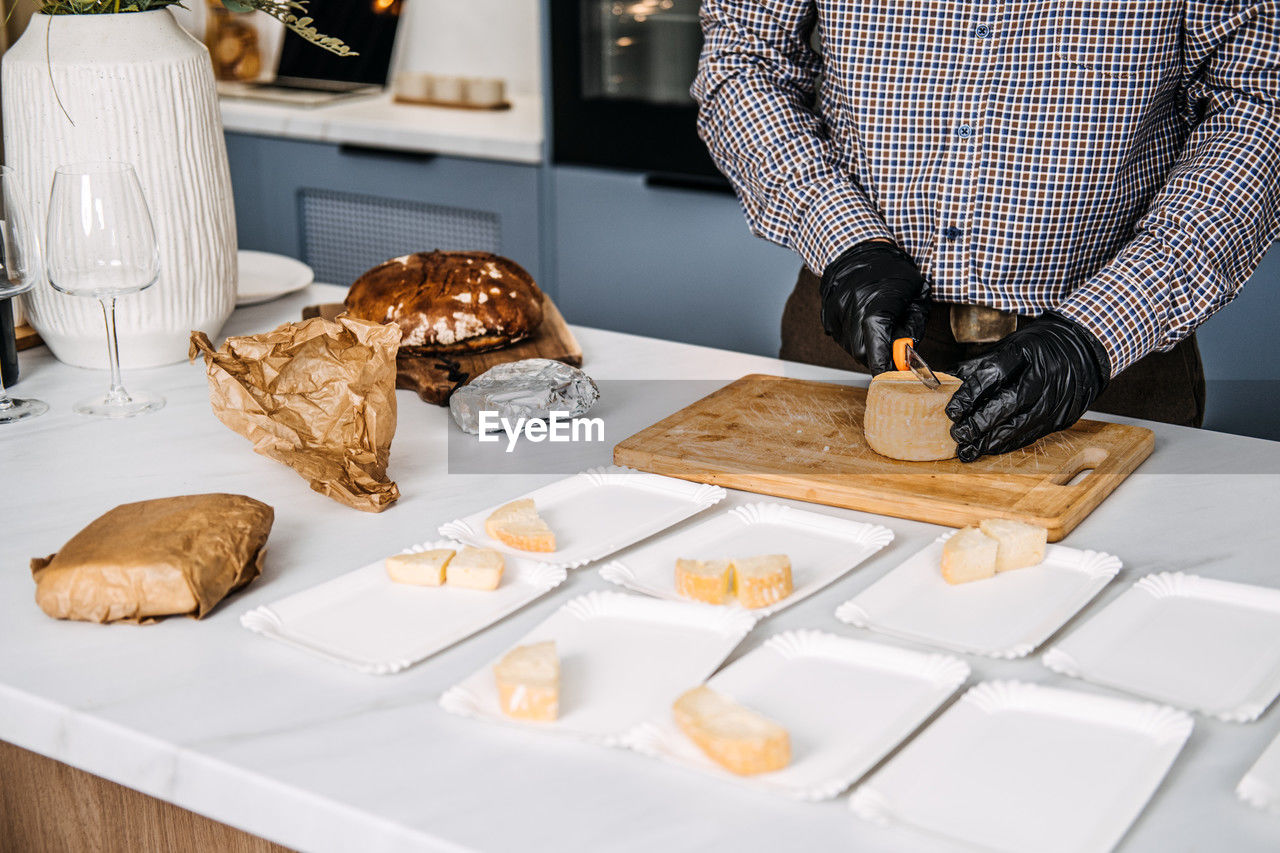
[
  {"x": 27, "y": 337},
  {"x": 799, "y": 439},
  {"x": 434, "y": 378}
]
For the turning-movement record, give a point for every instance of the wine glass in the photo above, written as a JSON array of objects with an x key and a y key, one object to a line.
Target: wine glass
[
  {"x": 101, "y": 244},
  {"x": 18, "y": 273}
]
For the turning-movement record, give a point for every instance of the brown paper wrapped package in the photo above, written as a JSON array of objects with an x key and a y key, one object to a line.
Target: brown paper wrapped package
[
  {"x": 318, "y": 396},
  {"x": 155, "y": 558}
]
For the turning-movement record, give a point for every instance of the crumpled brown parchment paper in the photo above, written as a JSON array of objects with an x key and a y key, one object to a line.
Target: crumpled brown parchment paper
[
  {"x": 161, "y": 557},
  {"x": 318, "y": 396}
]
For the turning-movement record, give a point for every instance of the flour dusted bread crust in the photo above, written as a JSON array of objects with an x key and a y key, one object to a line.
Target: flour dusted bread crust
[
  {"x": 905, "y": 420},
  {"x": 519, "y": 526},
  {"x": 737, "y": 738},
  {"x": 449, "y": 301},
  {"x": 528, "y": 679}
]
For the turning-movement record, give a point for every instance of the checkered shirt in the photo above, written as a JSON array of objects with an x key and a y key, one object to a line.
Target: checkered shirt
[{"x": 1115, "y": 160}]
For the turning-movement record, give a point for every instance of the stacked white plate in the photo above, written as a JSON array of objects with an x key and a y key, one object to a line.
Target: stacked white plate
[{"x": 264, "y": 276}]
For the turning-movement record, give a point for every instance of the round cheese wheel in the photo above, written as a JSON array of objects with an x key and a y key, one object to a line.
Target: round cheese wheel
[{"x": 905, "y": 420}]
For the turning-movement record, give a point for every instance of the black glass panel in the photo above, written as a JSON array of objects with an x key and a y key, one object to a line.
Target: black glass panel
[{"x": 367, "y": 26}]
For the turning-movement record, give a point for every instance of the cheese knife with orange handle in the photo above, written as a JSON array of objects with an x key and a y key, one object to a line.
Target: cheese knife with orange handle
[{"x": 905, "y": 358}]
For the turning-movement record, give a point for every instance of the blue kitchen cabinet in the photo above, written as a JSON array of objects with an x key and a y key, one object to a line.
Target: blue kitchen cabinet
[
  {"x": 1238, "y": 347},
  {"x": 343, "y": 209},
  {"x": 668, "y": 262}
]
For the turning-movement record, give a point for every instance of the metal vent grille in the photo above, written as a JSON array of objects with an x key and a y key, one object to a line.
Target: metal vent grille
[{"x": 344, "y": 234}]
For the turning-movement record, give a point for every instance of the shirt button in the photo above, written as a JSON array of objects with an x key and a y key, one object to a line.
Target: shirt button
[
  {"x": 982, "y": 31},
  {"x": 952, "y": 233},
  {"x": 964, "y": 131}
]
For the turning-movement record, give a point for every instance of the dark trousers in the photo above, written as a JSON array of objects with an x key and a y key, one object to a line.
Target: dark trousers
[{"x": 1163, "y": 386}]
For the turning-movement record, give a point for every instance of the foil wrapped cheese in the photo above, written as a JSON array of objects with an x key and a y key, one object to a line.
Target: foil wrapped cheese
[
  {"x": 529, "y": 388},
  {"x": 905, "y": 420}
]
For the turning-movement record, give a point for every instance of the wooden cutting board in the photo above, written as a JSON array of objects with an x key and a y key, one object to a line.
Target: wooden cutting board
[
  {"x": 434, "y": 378},
  {"x": 798, "y": 439},
  {"x": 27, "y": 337}
]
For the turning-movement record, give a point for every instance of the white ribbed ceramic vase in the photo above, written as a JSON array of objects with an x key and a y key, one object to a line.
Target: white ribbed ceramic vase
[{"x": 136, "y": 88}]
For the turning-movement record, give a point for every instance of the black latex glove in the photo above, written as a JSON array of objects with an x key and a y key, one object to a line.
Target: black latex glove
[
  {"x": 1038, "y": 380},
  {"x": 872, "y": 294}
]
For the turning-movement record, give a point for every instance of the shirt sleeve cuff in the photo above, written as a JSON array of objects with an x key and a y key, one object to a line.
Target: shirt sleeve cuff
[
  {"x": 1122, "y": 305},
  {"x": 838, "y": 217}
]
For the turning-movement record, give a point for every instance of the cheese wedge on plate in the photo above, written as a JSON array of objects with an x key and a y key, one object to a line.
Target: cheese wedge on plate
[
  {"x": 704, "y": 580},
  {"x": 424, "y": 568},
  {"x": 737, "y": 738},
  {"x": 1019, "y": 544},
  {"x": 528, "y": 679},
  {"x": 995, "y": 545},
  {"x": 476, "y": 568},
  {"x": 519, "y": 526},
  {"x": 762, "y": 581},
  {"x": 969, "y": 555}
]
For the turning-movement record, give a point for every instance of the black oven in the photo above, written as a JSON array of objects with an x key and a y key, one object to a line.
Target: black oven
[{"x": 621, "y": 71}]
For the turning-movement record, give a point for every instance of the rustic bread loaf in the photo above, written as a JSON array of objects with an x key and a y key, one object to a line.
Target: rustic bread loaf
[{"x": 449, "y": 301}]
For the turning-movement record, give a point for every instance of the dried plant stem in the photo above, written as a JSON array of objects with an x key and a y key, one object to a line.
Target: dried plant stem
[{"x": 48, "y": 65}]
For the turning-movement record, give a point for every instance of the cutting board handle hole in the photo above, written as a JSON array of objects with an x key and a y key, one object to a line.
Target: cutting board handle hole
[{"x": 1078, "y": 467}]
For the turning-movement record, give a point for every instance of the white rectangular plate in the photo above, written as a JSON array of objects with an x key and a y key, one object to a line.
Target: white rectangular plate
[
  {"x": 597, "y": 512},
  {"x": 368, "y": 622},
  {"x": 1006, "y": 616},
  {"x": 1015, "y": 767},
  {"x": 821, "y": 549},
  {"x": 1206, "y": 645},
  {"x": 846, "y": 704},
  {"x": 1260, "y": 787},
  {"x": 622, "y": 658}
]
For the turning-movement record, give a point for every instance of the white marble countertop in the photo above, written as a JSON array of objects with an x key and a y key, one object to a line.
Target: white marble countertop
[
  {"x": 288, "y": 746},
  {"x": 513, "y": 135}
]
